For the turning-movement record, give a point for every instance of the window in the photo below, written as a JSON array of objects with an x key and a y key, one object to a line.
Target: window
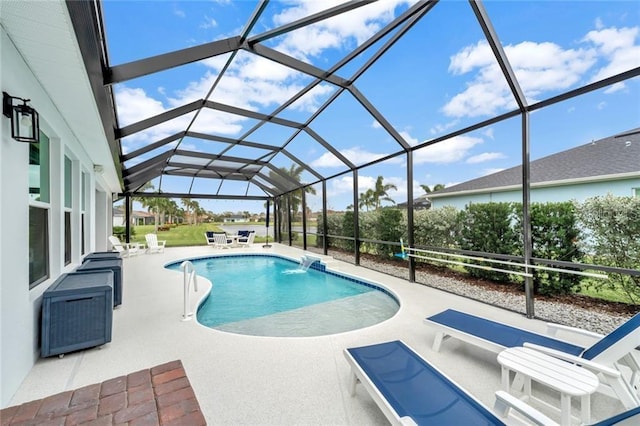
[
  {"x": 67, "y": 210},
  {"x": 38, "y": 245},
  {"x": 636, "y": 192},
  {"x": 39, "y": 211},
  {"x": 39, "y": 170}
]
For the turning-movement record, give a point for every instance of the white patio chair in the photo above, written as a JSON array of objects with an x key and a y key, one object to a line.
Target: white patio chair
[
  {"x": 221, "y": 241},
  {"x": 153, "y": 245},
  {"x": 209, "y": 237},
  {"x": 246, "y": 242},
  {"x": 125, "y": 249}
]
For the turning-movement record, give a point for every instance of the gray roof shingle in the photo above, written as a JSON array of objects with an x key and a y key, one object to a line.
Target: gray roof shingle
[{"x": 604, "y": 157}]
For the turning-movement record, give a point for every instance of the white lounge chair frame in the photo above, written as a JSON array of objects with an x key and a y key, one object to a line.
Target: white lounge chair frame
[
  {"x": 210, "y": 240},
  {"x": 622, "y": 357},
  {"x": 154, "y": 245},
  {"x": 125, "y": 249},
  {"x": 248, "y": 241}
]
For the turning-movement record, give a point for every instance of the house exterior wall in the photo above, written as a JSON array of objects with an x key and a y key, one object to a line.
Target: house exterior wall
[
  {"x": 20, "y": 306},
  {"x": 577, "y": 191}
]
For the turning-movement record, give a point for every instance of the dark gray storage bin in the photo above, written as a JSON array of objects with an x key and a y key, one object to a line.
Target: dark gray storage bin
[
  {"x": 101, "y": 255},
  {"x": 114, "y": 265},
  {"x": 77, "y": 312}
]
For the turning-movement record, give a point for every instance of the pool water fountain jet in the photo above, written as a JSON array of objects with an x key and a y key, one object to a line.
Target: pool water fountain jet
[{"x": 306, "y": 260}]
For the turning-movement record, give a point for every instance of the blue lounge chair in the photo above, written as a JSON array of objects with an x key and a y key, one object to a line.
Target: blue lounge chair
[
  {"x": 410, "y": 391},
  {"x": 616, "y": 350}
]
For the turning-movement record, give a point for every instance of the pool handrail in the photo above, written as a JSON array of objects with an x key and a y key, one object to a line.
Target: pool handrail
[{"x": 189, "y": 274}]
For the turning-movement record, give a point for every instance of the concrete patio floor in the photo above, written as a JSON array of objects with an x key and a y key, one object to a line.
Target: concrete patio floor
[{"x": 246, "y": 380}]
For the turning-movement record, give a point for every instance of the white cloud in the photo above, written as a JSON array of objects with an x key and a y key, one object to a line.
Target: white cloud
[
  {"x": 376, "y": 125},
  {"x": 616, "y": 87},
  {"x": 488, "y": 133},
  {"x": 255, "y": 83},
  {"x": 448, "y": 151},
  {"x": 598, "y": 24},
  {"x": 485, "y": 156},
  {"x": 602, "y": 105},
  {"x": 491, "y": 171},
  {"x": 135, "y": 105},
  {"x": 618, "y": 47},
  {"x": 344, "y": 185},
  {"x": 410, "y": 139},
  {"x": 179, "y": 12},
  {"x": 539, "y": 68},
  {"x": 357, "y": 155},
  {"x": 208, "y": 23},
  {"x": 441, "y": 128},
  {"x": 336, "y": 32}
]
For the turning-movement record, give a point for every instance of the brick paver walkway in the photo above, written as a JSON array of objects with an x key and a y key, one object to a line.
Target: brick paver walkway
[{"x": 161, "y": 395}]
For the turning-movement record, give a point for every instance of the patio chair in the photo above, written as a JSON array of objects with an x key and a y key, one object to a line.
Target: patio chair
[
  {"x": 248, "y": 240},
  {"x": 221, "y": 240},
  {"x": 616, "y": 350},
  {"x": 125, "y": 249},
  {"x": 209, "y": 237},
  {"x": 153, "y": 245}
]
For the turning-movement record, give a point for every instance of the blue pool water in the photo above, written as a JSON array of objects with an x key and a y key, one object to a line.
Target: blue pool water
[{"x": 269, "y": 296}]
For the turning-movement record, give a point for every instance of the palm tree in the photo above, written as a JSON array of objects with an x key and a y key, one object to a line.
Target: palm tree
[
  {"x": 142, "y": 200},
  {"x": 380, "y": 192},
  {"x": 295, "y": 198},
  {"x": 189, "y": 206},
  {"x": 366, "y": 199},
  {"x": 197, "y": 211},
  {"x": 428, "y": 190}
]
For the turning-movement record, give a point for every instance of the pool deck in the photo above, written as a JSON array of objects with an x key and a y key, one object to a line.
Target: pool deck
[{"x": 246, "y": 380}]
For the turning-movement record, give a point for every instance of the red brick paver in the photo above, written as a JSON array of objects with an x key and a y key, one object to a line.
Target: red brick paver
[{"x": 161, "y": 395}]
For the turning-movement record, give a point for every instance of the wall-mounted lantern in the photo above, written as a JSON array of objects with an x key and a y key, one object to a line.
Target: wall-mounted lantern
[{"x": 25, "y": 126}]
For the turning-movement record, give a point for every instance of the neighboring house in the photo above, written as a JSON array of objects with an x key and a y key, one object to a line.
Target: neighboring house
[
  {"x": 609, "y": 165},
  {"x": 420, "y": 203},
  {"x": 137, "y": 217},
  {"x": 235, "y": 219}
]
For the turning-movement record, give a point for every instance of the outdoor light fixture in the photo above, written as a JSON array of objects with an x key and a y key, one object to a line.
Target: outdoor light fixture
[{"x": 24, "y": 119}]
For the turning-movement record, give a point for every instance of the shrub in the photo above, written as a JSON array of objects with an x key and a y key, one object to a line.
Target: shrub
[
  {"x": 436, "y": 227},
  {"x": 554, "y": 236},
  {"x": 389, "y": 226},
  {"x": 347, "y": 230},
  {"x": 487, "y": 227},
  {"x": 119, "y": 231},
  {"x": 613, "y": 238}
]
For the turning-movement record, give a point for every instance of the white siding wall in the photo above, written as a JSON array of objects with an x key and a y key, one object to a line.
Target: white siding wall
[
  {"x": 20, "y": 307},
  {"x": 579, "y": 192}
]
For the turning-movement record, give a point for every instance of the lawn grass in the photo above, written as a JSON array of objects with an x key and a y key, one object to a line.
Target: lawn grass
[
  {"x": 614, "y": 294},
  {"x": 181, "y": 235}
]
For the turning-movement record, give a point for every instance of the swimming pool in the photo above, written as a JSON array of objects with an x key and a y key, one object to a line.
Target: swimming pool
[{"x": 268, "y": 295}]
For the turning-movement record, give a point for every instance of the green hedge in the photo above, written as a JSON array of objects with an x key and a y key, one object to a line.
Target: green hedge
[{"x": 601, "y": 230}]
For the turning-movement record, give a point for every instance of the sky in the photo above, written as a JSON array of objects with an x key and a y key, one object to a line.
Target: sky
[{"x": 441, "y": 76}]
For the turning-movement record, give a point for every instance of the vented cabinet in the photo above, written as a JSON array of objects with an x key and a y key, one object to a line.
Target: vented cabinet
[
  {"x": 114, "y": 265},
  {"x": 101, "y": 255},
  {"x": 77, "y": 312}
]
